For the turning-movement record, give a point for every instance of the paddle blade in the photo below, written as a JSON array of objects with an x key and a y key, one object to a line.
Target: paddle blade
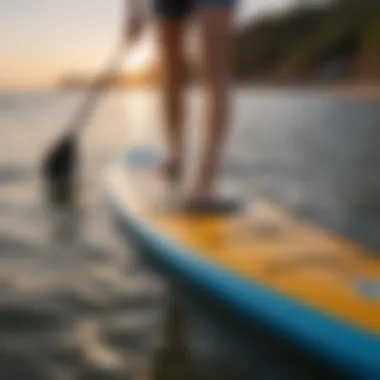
[{"x": 61, "y": 162}]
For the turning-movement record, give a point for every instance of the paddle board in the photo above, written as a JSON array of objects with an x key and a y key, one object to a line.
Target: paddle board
[{"x": 262, "y": 263}]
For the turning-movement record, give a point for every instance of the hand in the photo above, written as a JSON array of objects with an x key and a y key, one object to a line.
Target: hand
[{"x": 133, "y": 28}]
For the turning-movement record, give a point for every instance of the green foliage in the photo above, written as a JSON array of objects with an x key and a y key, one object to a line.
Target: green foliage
[{"x": 303, "y": 41}]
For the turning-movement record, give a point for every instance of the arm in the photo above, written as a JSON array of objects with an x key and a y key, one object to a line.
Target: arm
[
  {"x": 134, "y": 18},
  {"x": 133, "y": 8}
]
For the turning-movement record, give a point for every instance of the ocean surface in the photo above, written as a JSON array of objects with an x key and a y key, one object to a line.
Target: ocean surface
[{"x": 76, "y": 302}]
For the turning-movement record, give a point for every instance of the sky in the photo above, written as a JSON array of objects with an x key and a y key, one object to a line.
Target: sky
[{"x": 41, "y": 40}]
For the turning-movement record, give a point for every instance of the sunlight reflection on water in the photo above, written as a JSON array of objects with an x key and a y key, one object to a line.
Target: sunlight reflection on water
[{"x": 75, "y": 300}]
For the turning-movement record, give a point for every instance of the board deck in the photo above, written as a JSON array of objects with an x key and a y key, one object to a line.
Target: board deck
[{"x": 322, "y": 289}]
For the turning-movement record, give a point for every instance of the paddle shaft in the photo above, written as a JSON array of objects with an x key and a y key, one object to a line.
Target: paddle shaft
[
  {"x": 60, "y": 163},
  {"x": 94, "y": 92}
]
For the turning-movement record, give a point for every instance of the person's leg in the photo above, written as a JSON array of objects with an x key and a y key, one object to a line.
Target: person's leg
[
  {"x": 215, "y": 18},
  {"x": 171, "y": 15}
]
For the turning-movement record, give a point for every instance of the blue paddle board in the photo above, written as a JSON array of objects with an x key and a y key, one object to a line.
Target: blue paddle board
[{"x": 263, "y": 264}]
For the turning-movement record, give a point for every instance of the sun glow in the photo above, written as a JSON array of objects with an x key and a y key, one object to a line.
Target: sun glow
[{"x": 139, "y": 58}]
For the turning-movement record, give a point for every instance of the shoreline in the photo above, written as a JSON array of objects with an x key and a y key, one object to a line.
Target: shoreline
[
  {"x": 357, "y": 91},
  {"x": 347, "y": 90},
  {"x": 350, "y": 90}
]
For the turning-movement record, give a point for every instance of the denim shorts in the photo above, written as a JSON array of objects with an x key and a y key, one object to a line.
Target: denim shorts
[{"x": 181, "y": 9}]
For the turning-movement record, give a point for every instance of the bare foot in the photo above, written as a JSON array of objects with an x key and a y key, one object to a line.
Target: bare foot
[{"x": 206, "y": 203}]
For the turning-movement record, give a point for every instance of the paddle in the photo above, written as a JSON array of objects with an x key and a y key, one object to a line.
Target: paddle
[{"x": 61, "y": 161}]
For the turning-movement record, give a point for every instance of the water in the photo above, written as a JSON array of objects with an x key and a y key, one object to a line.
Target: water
[{"x": 76, "y": 303}]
